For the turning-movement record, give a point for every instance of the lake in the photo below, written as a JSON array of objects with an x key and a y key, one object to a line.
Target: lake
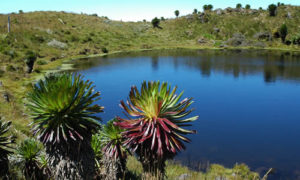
[{"x": 248, "y": 101}]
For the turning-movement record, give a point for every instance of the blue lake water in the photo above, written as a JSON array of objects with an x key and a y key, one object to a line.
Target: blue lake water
[{"x": 248, "y": 101}]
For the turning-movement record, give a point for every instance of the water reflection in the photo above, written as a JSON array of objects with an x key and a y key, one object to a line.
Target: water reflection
[{"x": 272, "y": 65}]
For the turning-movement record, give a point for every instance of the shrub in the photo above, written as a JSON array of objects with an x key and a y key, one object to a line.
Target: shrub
[
  {"x": 176, "y": 13},
  {"x": 239, "y": 6},
  {"x": 104, "y": 50},
  {"x": 208, "y": 7},
  {"x": 272, "y": 9},
  {"x": 21, "y": 12},
  {"x": 247, "y": 6},
  {"x": 195, "y": 11},
  {"x": 162, "y": 19},
  {"x": 283, "y": 31},
  {"x": 155, "y": 22},
  {"x": 296, "y": 39}
]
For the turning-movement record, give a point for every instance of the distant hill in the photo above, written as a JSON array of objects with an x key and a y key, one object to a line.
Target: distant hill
[{"x": 58, "y": 34}]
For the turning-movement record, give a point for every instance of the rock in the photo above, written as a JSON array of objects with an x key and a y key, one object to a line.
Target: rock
[
  {"x": 6, "y": 96},
  {"x": 289, "y": 15},
  {"x": 60, "y": 20},
  {"x": 183, "y": 177},
  {"x": 57, "y": 44},
  {"x": 263, "y": 36},
  {"x": 49, "y": 31},
  {"x": 202, "y": 41},
  {"x": 219, "y": 11},
  {"x": 259, "y": 44},
  {"x": 237, "y": 39}
]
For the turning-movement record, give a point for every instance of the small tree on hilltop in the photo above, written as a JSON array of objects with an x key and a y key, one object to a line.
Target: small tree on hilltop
[
  {"x": 155, "y": 22},
  {"x": 283, "y": 31},
  {"x": 247, "y": 6},
  {"x": 176, "y": 13},
  {"x": 205, "y": 7},
  {"x": 210, "y": 7},
  {"x": 272, "y": 9},
  {"x": 239, "y": 6},
  {"x": 195, "y": 11}
]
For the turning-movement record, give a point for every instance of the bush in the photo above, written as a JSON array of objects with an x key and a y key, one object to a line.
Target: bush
[
  {"x": 30, "y": 58},
  {"x": 155, "y": 22},
  {"x": 296, "y": 39},
  {"x": 162, "y": 19},
  {"x": 283, "y": 31},
  {"x": 247, "y": 6},
  {"x": 21, "y": 12},
  {"x": 239, "y": 6},
  {"x": 104, "y": 50},
  {"x": 272, "y": 9},
  {"x": 195, "y": 11}
]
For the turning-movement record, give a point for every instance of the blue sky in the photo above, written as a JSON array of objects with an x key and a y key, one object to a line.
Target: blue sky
[{"x": 127, "y": 10}]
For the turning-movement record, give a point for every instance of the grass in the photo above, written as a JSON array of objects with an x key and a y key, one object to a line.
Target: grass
[{"x": 175, "y": 170}]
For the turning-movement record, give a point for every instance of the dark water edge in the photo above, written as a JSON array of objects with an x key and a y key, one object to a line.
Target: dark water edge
[{"x": 248, "y": 101}]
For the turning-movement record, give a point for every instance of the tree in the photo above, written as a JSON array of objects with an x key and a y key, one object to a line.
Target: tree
[
  {"x": 64, "y": 119},
  {"x": 239, "y": 6},
  {"x": 272, "y": 9},
  {"x": 176, "y": 13},
  {"x": 247, "y": 6},
  {"x": 162, "y": 18},
  {"x": 210, "y": 7},
  {"x": 6, "y": 142},
  {"x": 156, "y": 133},
  {"x": 113, "y": 152},
  {"x": 283, "y": 31},
  {"x": 155, "y": 22},
  {"x": 195, "y": 11},
  {"x": 29, "y": 152},
  {"x": 205, "y": 7}
]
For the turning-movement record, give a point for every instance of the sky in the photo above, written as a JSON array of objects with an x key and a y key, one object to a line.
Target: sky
[{"x": 128, "y": 10}]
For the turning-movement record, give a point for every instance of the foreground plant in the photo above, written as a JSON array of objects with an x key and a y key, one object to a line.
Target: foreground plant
[
  {"x": 29, "y": 152},
  {"x": 6, "y": 142},
  {"x": 64, "y": 119},
  {"x": 113, "y": 153},
  {"x": 156, "y": 133}
]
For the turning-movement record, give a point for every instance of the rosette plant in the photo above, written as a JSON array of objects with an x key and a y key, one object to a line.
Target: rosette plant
[
  {"x": 114, "y": 154},
  {"x": 29, "y": 152},
  {"x": 64, "y": 119},
  {"x": 6, "y": 142},
  {"x": 155, "y": 133}
]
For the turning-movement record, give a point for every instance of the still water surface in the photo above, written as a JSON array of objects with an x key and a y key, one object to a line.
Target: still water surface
[{"x": 248, "y": 101}]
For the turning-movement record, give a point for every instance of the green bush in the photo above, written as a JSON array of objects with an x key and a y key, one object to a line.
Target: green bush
[
  {"x": 195, "y": 11},
  {"x": 1, "y": 73},
  {"x": 247, "y": 6},
  {"x": 104, "y": 50},
  {"x": 272, "y": 9},
  {"x": 283, "y": 31},
  {"x": 155, "y": 22}
]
